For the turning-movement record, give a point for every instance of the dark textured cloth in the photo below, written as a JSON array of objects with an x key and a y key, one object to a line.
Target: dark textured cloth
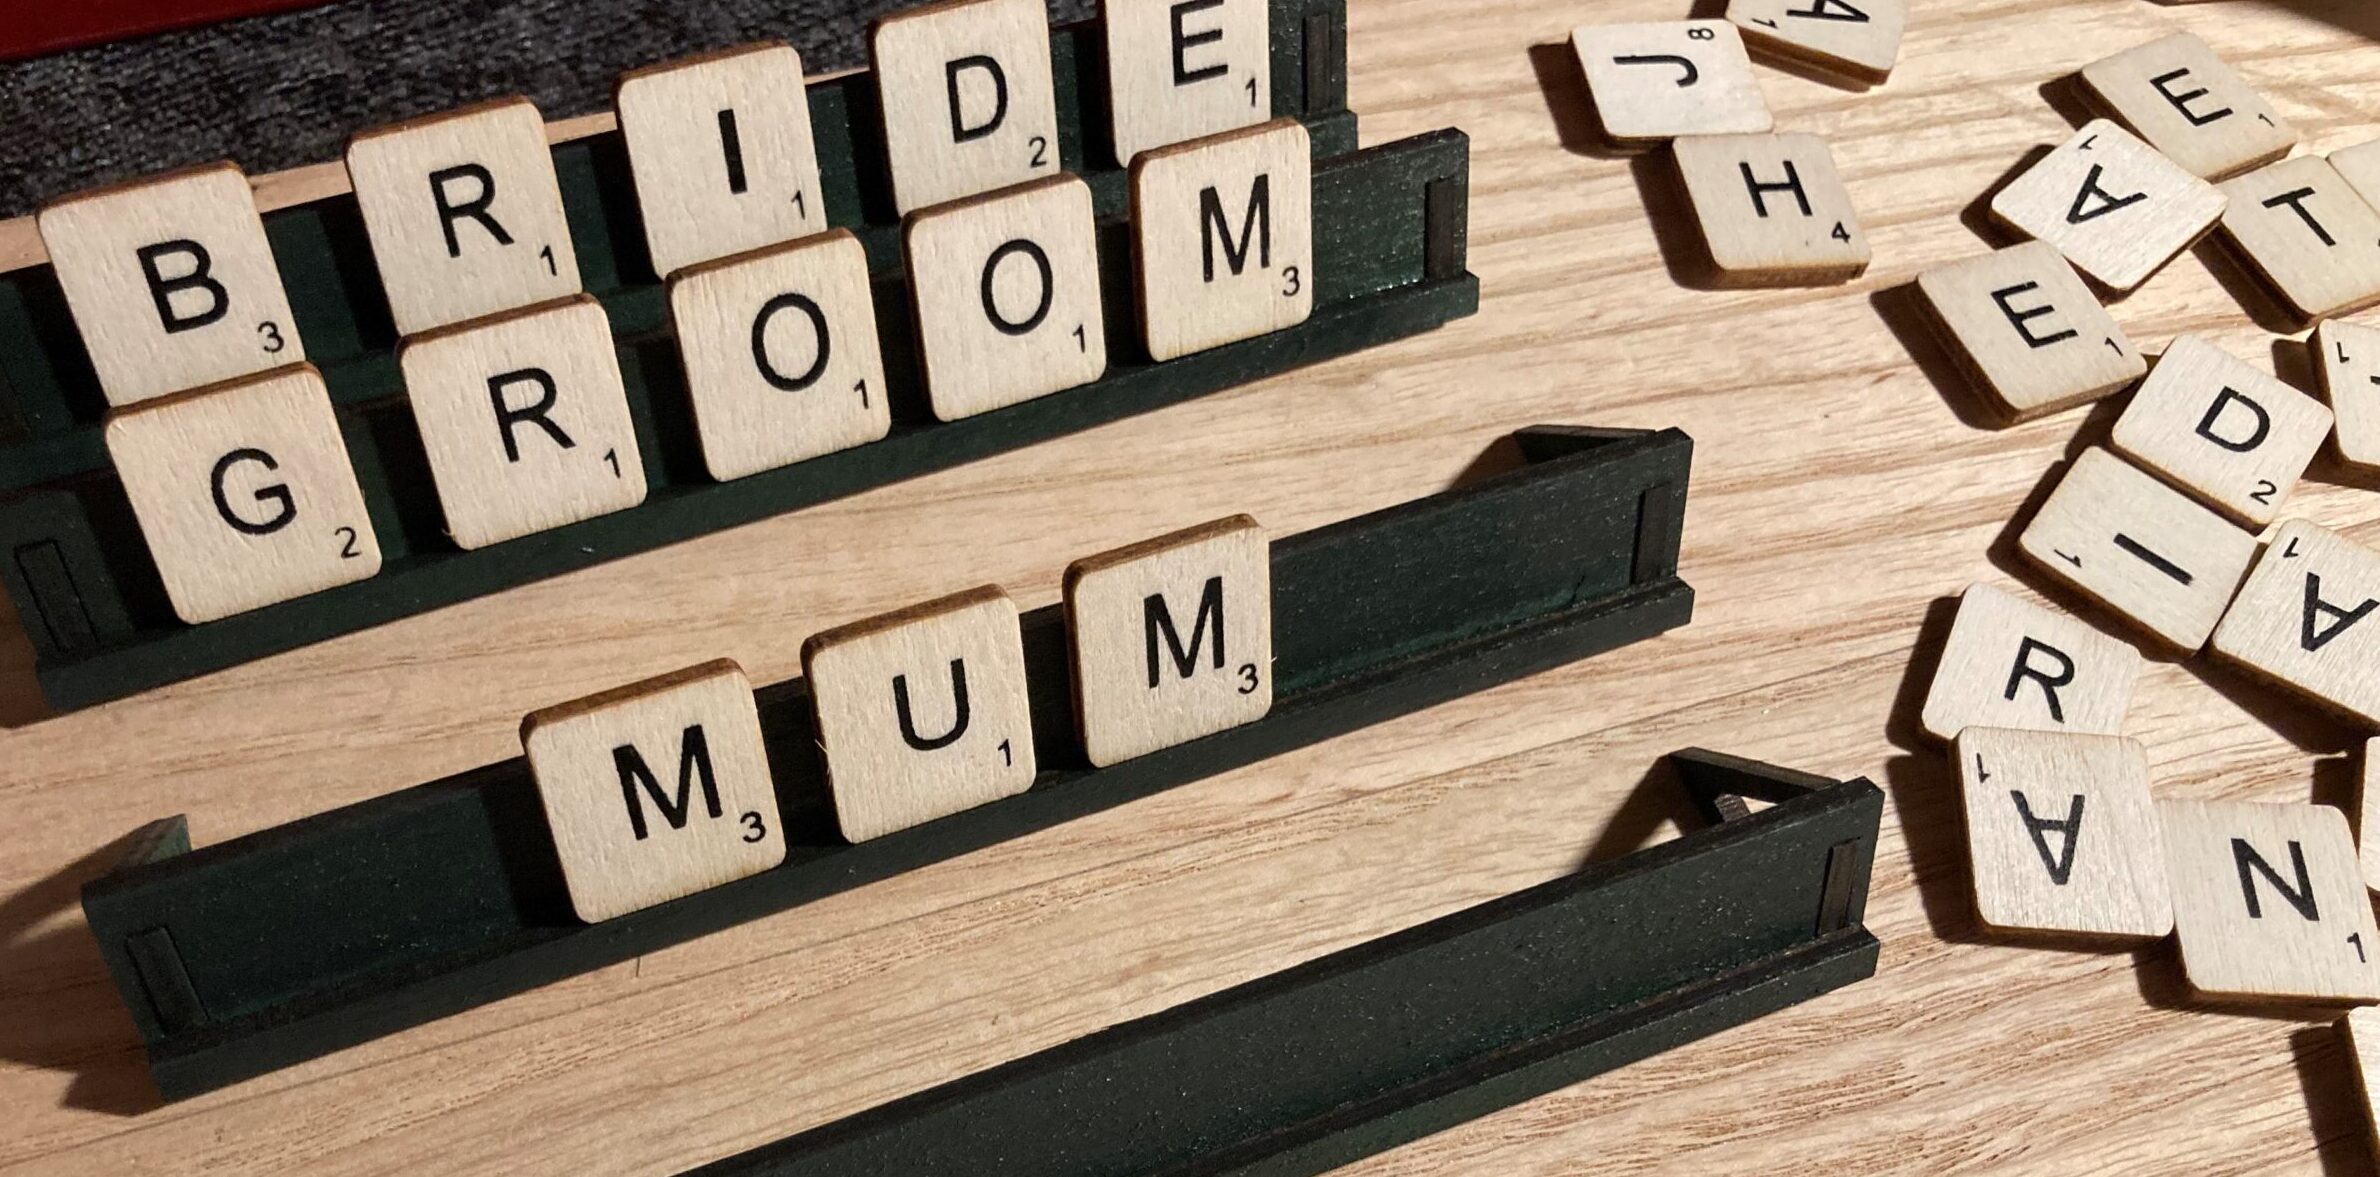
[{"x": 280, "y": 91}]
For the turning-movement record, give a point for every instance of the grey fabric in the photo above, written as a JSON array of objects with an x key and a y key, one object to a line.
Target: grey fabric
[{"x": 279, "y": 91}]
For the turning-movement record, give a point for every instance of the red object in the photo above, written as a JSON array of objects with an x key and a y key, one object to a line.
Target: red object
[{"x": 35, "y": 28}]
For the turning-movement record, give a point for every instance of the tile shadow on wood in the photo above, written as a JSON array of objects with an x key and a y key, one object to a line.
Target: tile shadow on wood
[{"x": 58, "y": 1009}]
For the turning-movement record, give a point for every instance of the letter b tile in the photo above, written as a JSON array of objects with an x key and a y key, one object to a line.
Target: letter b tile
[
  {"x": 1172, "y": 637},
  {"x": 1223, "y": 232}
]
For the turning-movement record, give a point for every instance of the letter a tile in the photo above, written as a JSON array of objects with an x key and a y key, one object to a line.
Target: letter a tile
[
  {"x": 1179, "y": 70},
  {"x": 657, "y": 790},
  {"x": 172, "y": 283},
  {"x": 2027, "y": 331},
  {"x": 2175, "y": 93},
  {"x": 2140, "y": 548},
  {"x": 2222, "y": 430},
  {"x": 1772, "y": 210},
  {"x": 2309, "y": 618},
  {"x": 2360, "y": 167},
  {"x": 2267, "y": 904},
  {"x": 1007, "y": 296},
  {"x": 2062, "y": 834},
  {"x": 2303, "y": 228},
  {"x": 2009, "y": 663},
  {"x": 1652, "y": 82},
  {"x": 922, "y": 713},
  {"x": 525, "y": 421},
  {"x": 2118, "y": 210},
  {"x": 2348, "y": 356},
  {"x": 720, "y": 147},
  {"x": 1223, "y": 230},
  {"x": 1173, "y": 638},
  {"x": 1858, "y": 39},
  {"x": 465, "y": 214},
  {"x": 244, "y": 493},
  {"x": 969, "y": 105}
]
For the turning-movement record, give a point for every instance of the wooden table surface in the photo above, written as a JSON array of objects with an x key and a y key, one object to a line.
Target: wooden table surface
[{"x": 1843, "y": 492}]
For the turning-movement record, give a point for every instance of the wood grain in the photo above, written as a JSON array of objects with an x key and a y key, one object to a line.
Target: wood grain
[{"x": 1840, "y": 501}]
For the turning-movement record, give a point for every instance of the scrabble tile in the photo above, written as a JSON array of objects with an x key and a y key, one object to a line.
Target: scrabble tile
[
  {"x": 721, "y": 152},
  {"x": 922, "y": 713},
  {"x": 1772, "y": 210},
  {"x": 244, "y": 493},
  {"x": 1223, "y": 233},
  {"x": 2062, "y": 834},
  {"x": 2175, "y": 93},
  {"x": 525, "y": 421},
  {"x": 2009, "y": 663},
  {"x": 2309, "y": 618},
  {"x": 2361, "y": 1028},
  {"x": 1172, "y": 638},
  {"x": 656, "y": 791},
  {"x": 172, "y": 283},
  {"x": 2118, "y": 210},
  {"x": 969, "y": 105},
  {"x": 2348, "y": 356},
  {"x": 2315, "y": 241},
  {"x": 1006, "y": 289},
  {"x": 1857, "y": 38},
  {"x": 2140, "y": 548},
  {"x": 781, "y": 354},
  {"x": 2360, "y": 167},
  {"x": 1652, "y": 82},
  {"x": 2267, "y": 903},
  {"x": 464, "y": 213},
  {"x": 1179, "y": 70},
  {"x": 2367, "y": 826},
  {"x": 2218, "y": 428},
  {"x": 2027, "y": 331}
]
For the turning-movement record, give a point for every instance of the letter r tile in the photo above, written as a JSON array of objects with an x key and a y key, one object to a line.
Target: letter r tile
[
  {"x": 1172, "y": 638},
  {"x": 968, "y": 98},
  {"x": 2009, "y": 663}
]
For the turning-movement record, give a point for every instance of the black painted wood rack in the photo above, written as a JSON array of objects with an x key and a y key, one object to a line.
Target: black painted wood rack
[
  {"x": 1389, "y": 257},
  {"x": 1389, "y": 1041},
  {"x": 296, "y": 941}
]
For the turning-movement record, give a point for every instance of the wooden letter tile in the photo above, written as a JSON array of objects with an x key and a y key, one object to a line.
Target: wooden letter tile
[
  {"x": 1183, "y": 69},
  {"x": 1223, "y": 234},
  {"x": 2348, "y": 358},
  {"x": 2315, "y": 241},
  {"x": 172, "y": 283},
  {"x": 2360, "y": 167},
  {"x": 1772, "y": 210},
  {"x": 720, "y": 147},
  {"x": 1859, "y": 39},
  {"x": 781, "y": 354},
  {"x": 922, "y": 713},
  {"x": 1652, "y": 82},
  {"x": 2140, "y": 548},
  {"x": 2267, "y": 903},
  {"x": 1172, "y": 638},
  {"x": 2367, "y": 825},
  {"x": 525, "y": 421},
  {"x": 244, "y": 493},
  {"x": 2361, "y": 1027},
  {"x": 464, "y": 213},
  {"x": 969, "y": 105},
  {"x": 2062, "y": 834},
  {"x": 2216, "y": 427},
  {"x": 656, "y": 791},
  {"x": 2029, "y": 333},
  {"x": 2118, "y": 210},
  {"x": 1007, "y": 296},
  {"x": 2309, "y": 618},
  {"x": 2009, "y": 663},
  {"x": 2187, "y": 103}
]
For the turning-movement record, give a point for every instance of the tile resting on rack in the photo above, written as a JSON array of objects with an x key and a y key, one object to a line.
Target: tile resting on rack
[
  {"x": 2027, "y": 331},
  {"x": 2062, "y": 834},
  {"x": 244, "y": 493},
  {"x": 1652, "y": 82},
  {"x": 969, "y": 102},
  {"x": 1006, "y": 288},
  {"x": 1771, "y": 209},
  {"x": 464, "y": 213},
  {"x": 2314, "y": 241},
  {"x": 781, "y": 354},
  {"x": 525, "y": 421},
  {"x": 2309, "y": 618},
  {"x": 1172, "y": 638},
  {"x": 923, "y": 712},
  {"x": 2118, "y": 210},
  {"x": 2267, "y": 903},
  {"x": 172, "y": 283},
  {"x": 2139, "y": 547},
  {"x": 2217, "y": 427},
  {"x": 1181, "y": 71},
  {"x": 1858, "y": 39},
  {"x": 657, "y": 790},
  {"x": 1223, "y": 238},
  {"x": 2347, "y": 357},
  {"x": 721, "y": 151},
  {"x": 2009, "y": 663},
  {"x": 2190, "y": 105}
]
